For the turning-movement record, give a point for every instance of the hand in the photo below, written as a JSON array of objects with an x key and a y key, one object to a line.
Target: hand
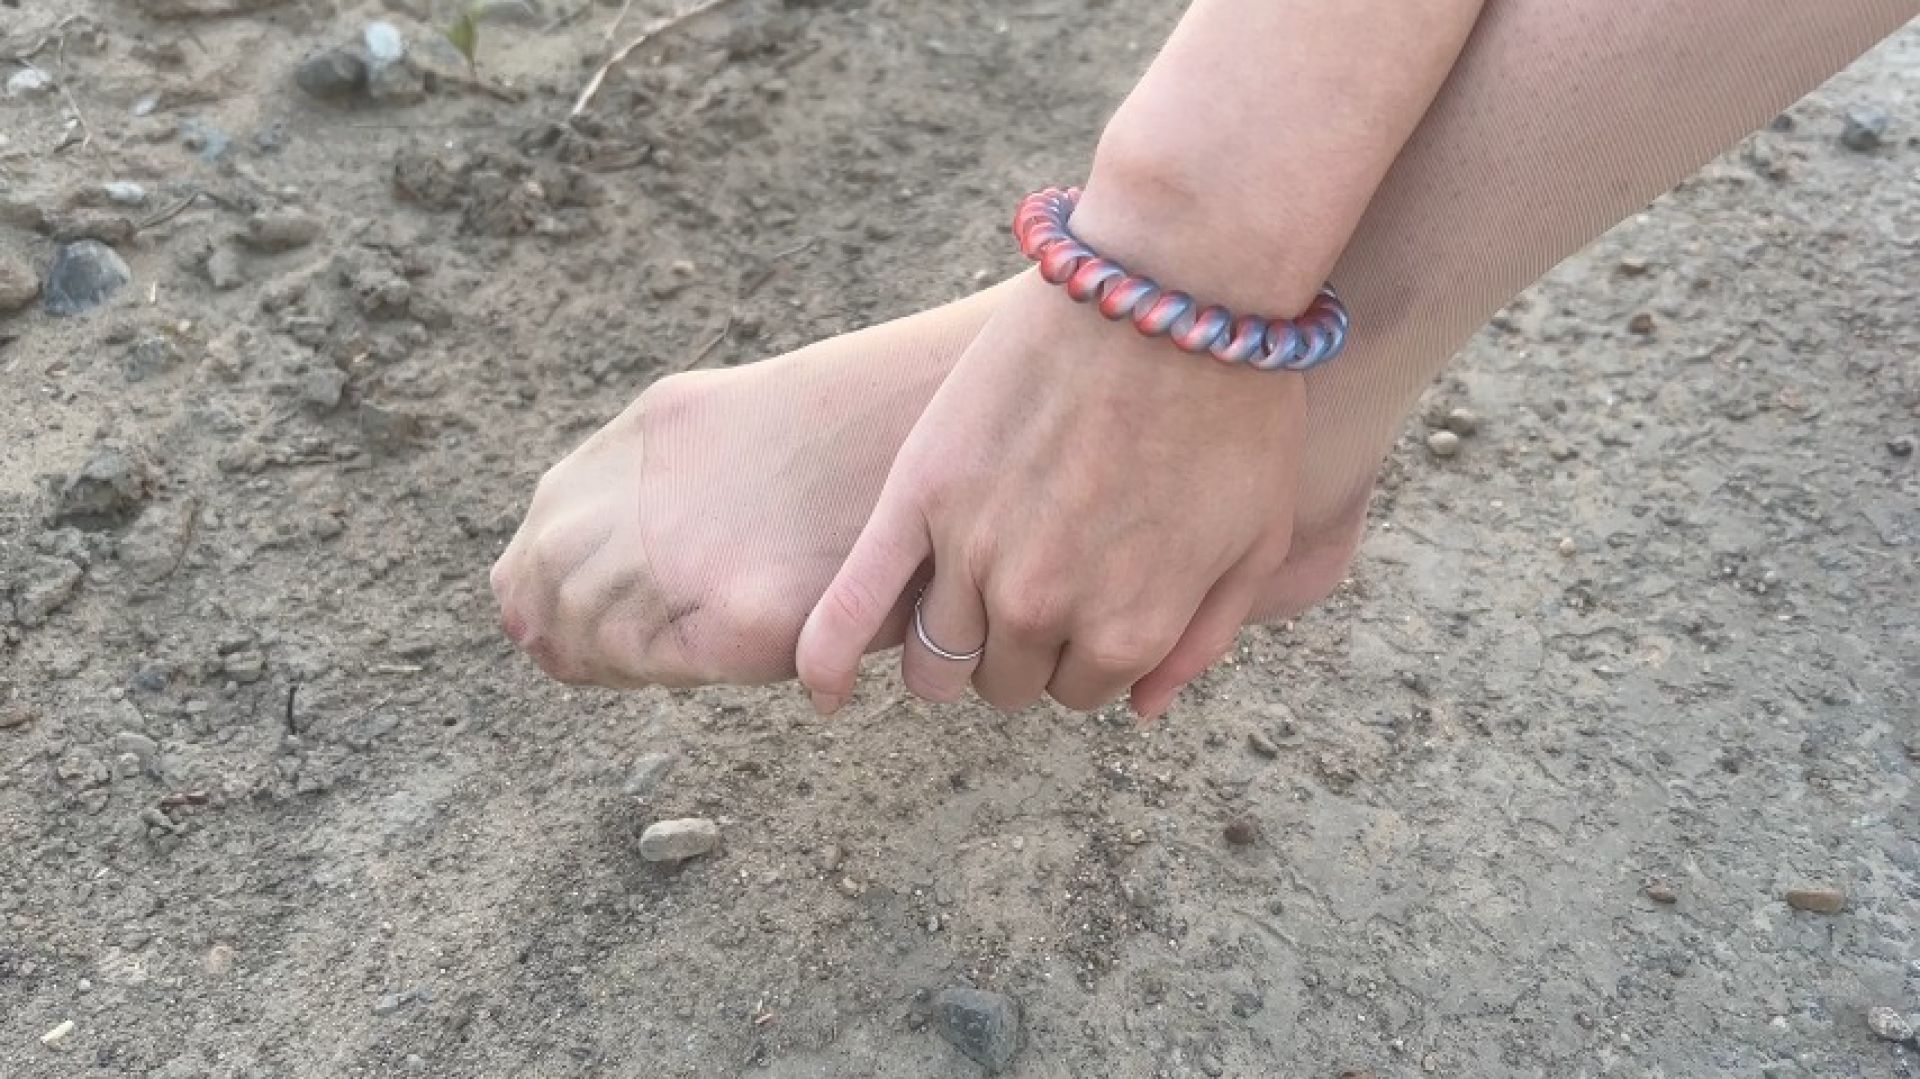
[{"x": 1100, "y": 509}]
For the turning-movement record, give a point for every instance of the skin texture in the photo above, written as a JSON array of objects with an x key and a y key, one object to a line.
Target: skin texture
[
  {"x": 688, "y": 541},
  {"x": 1098, "y": 510}
]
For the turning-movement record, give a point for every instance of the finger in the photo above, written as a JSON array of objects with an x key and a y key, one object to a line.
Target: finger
[
  {"x": 1024, "y": 638},
  {"x": 855, "y": 606},
  {"x": 541, "y": 572},
  {"x": 1208, "y": 637},
  {"x": 954, "y": 618},
  {"x": 1098, "y": 666}
]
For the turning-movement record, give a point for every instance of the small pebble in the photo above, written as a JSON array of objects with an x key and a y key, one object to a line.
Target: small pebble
[
  {"x": 331, "y": 75},
  {"x": 1443, "y": 444},
  {"x": 1463, "y": 421},
  {"x": 122, "y": 193},
  {"x": 1241, "y": 831},
  {"x": 1641, "y": 324},
  {"x": 1262, "y": 745},
  {"x": 384, "y": 43},
  {"x": 646, "y": 774},
  {"x": 985, "y": 1026},
  {"x": 139, "y": 745},
  {"x": 1568, "y": 548},
  {"x": 58, "y": 1033},
  {"x": 1889, "y": 1024},
  {"x": 225, "y": 269},
  {"x": 27, "y": 82},
  {"x": 678, "y": 840},
  {"x": 1865, "y": 128},
  {"x": 1817, "y": 900},
  {"x": 1662, "y": 892},
  {"x": 83, "y": 275},
  {"x": 1901, "y": 446},
  {"x": 19, "y": 285},
  {"x": 1631, "y": 266},
  {"x": 281, "y": 230}
]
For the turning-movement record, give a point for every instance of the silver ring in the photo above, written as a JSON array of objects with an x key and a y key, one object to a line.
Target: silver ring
[{"x": 920, "y": 631}]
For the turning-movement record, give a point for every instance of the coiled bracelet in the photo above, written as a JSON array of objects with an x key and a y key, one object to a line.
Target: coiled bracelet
[{"x": 1277, "y": 344}]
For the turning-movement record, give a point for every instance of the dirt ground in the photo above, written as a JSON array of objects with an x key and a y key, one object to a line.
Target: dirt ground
[{"x": 276, "y": 799}]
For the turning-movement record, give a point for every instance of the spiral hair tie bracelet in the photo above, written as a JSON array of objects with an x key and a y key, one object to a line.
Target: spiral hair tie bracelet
[{"x": 1279, "y": 344}]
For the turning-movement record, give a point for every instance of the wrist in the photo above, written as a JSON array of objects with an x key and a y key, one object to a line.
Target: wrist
[{"x": 1225, "y": 233}]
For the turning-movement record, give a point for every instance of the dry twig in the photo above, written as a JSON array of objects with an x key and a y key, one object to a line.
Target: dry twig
[{"x": 653, "y": 30}]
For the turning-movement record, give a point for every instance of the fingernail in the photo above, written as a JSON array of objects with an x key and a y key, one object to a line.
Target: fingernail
[{"x": 827, "y": 703}]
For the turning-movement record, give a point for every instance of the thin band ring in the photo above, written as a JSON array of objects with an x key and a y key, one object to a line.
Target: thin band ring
[{"x": 920, "y": 631}]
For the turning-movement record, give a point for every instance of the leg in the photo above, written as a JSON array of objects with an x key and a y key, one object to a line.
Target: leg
[{"x": 1558, "y": 121}]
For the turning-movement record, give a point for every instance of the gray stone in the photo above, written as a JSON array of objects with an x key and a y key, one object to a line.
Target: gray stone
[
  {"x": 81, "y": 770},
  {"x": 1889, "y": 1024},
  {"x": 205, "y": 139},
  {"x": 1865, "y": 128},
  {"x": 48, "y": 586},
  {"x": 1818, "y": 900},
  {"x": 385, "y": 45},
  {"x": 83, "y": 275},
  {"x": 281, "y": 230},
  {"x": 150, "y": 357},
  {"x": 139, "y": 745},
  {"x": 107, "y": 490},
  {"x": 1443, "y": 444},
  {"x": 985, "y": 1026},
  {"x": 19, "y": 285},
  {"x": 646, "y": 774},
  {"x": 28, "y": 82},
  {"x": 245, "y": 666},
  {"x": 678, "y": 840},
  {"x": 226, "y": 270},
  {"x": 332, "y": 75},
  {"x": 1463, "y": 422},
  {"x": 121, "y": 193},
  {"x": 322, "y": 386},
  {"x": 397, "y": 84}
]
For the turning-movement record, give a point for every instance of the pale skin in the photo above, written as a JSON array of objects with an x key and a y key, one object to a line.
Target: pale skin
[
  {"x": 688, "y": 540},
  {"x": 1101, "y": 518}
]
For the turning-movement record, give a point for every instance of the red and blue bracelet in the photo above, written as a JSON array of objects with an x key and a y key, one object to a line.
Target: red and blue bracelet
[{"x": 1279, "y": 344}]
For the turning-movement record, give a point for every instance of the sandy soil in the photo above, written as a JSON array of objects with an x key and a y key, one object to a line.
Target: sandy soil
[{"x": 277, "y": 800}]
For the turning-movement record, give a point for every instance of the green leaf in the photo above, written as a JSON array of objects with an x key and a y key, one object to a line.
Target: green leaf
[{"x": 464, "y": 33}]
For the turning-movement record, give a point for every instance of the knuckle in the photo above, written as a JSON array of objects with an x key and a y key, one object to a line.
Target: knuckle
[
  {"x": 1124, "y": 649},
  {"x": 1026, "y": 614},
  {"x": 855, "y": 603}
]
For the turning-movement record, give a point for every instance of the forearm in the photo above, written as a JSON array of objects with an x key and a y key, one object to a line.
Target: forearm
[{"x": 1243, "y": 160}]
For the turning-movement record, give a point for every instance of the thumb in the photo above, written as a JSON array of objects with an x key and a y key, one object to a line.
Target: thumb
[{"x": 855, "y": 606}]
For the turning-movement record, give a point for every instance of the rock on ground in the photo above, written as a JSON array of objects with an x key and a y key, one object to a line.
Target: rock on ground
[
  {"x": 678, "y": 840},
  {"x": 983, "y": 1025},
  {"x": 19, "y": 285},
  {"x": 1889, "y": 1024},
  {"x": 83, "y": 275}
]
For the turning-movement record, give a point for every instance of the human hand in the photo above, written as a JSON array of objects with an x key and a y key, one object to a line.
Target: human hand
[{"x": 1100, "y": 510}]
